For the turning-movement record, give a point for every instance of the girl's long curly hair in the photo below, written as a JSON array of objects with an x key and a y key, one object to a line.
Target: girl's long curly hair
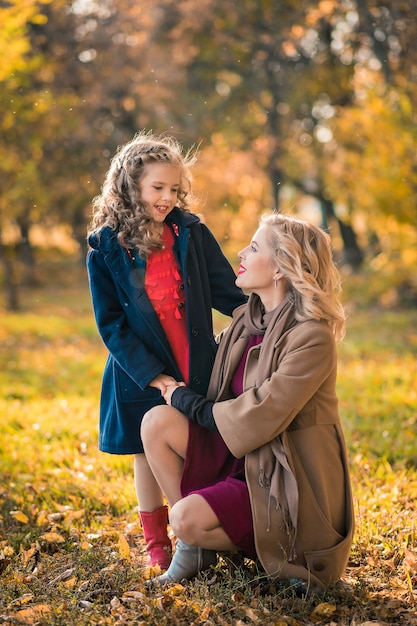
[
  {"x": 303, "y": 253},
  {"x": 120, "y": 206}
]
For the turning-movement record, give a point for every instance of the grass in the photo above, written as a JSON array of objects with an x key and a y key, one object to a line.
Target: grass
[{"x": 71, "y": 550}]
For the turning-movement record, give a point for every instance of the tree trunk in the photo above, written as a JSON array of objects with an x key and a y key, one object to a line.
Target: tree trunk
[
  {"x": 26, "y": 254},
  {"x": 10, "y": 286},
  {"x": 352, "y": 254}
]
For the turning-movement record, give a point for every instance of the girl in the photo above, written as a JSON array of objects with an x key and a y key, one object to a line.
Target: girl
[
  {"x": 261, "y": 464},
  {"x": 155, "y": 273}
]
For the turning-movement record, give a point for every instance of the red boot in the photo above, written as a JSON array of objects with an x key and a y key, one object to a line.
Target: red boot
[{"x": 158, "y": 544}]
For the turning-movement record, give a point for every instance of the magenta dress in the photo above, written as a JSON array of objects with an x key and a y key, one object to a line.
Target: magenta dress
[{"x": 211, "y": 471}]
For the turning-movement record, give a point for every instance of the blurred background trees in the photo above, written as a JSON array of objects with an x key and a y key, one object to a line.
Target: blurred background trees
[{"x": 306, "y": 107}]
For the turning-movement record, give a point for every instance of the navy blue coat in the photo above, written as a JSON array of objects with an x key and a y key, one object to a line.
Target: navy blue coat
[{"x": 137, "y": 345}]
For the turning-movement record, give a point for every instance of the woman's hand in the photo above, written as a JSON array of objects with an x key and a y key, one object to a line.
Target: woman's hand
[{"x": 170, "y": 390}]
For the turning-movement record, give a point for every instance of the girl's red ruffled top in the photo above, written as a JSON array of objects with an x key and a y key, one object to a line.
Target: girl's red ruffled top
[{"x": 165, "y": 288}]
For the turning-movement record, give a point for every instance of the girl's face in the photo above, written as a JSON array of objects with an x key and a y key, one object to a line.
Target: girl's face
[
  {"x": 159, "y": 187},
  {"x": 257, "y": 271}
]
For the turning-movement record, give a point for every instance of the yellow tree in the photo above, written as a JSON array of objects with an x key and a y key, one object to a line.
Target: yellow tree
[{"x": 17, "y": 64}]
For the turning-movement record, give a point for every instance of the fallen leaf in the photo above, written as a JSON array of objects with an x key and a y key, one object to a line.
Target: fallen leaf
[
  {"x": 411, "y": 560},
  {"x": 27, "y": 597},
  {"x": 34, "y": 613},
  {"x": 250, "y": 614},
  {"x": 374, "y": 624},
  {"x": 238, "y": 597},
  {"x": 53, "y": 537},
  {"x": 175, "y": 590},
  {"x": 20, "y": 516},
  {"x": 123, "y": 546},
  {"x": 42, "y": 518},
  {"x": 151, "y": 571},
  {"x": 324, "y": 609},
  {"x": 28, "y": 554},
  {"x": 134, "y": 596},
  {"x": 63, "y": 576}
]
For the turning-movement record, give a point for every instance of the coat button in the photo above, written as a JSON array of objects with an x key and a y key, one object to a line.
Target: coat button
[
  {"x": 194, "y": 332},
  {"x": 196, "y": 380},
  {"x": 180, "y": 305},
  {"x": 319, "y": 566}
]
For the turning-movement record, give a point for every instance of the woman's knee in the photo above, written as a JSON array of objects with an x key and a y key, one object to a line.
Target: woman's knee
[
  {"x": 185, "y": 520},
  {"x": 153, "y": 421}
]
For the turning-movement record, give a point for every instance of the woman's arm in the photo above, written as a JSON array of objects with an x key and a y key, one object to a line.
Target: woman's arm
[
  {"x": 195, "y": 407},
  {"x": 306, "y": 364}
]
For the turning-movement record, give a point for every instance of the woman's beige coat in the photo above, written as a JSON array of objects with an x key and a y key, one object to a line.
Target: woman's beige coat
[{"x": 293, "y": 409}]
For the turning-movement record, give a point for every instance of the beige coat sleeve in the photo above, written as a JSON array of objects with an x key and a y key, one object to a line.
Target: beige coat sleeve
[{"x": 302, "y": 379}]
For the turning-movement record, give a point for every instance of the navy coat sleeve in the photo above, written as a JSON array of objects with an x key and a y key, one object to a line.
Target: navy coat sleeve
[
  {"x": 224, "y": 294},
  {"x": 112, "y": 309}
]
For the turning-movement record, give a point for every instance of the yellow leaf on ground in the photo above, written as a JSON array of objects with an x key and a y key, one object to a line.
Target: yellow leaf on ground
[
  {"x": 42, "y": 518},
  {"x": 34, "y": 613},
  {"x": 175, "y": 590},
  {"x": 53, "y": 538},
  {"x": 324, "y": 609},
  {"x": 72, "y": 515},
  {"x": 27, "y": 597},
  {"x": 28, "y": 554},
  {"x": 124, "y": 549},
  {"x": 151, "y": 571},
  {"x": 70, "y": 583},
  {"x": 20, "y": 516}
]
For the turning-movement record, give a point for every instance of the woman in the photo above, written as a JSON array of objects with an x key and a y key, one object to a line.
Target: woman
[{"x": 260, "y": 465}]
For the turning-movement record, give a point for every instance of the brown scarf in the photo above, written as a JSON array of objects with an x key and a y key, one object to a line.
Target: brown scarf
[{"x": 252, "y": 317}]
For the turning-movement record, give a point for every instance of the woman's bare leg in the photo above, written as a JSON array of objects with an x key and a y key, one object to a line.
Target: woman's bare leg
[
  {"x": 164, "y": 434},
  {"x": 194, "y": 521}
]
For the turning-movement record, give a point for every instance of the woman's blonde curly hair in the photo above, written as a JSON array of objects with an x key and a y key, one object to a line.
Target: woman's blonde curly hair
[
  {"x": 303, "y": 254},
  {"x": 119, "y": 205}
]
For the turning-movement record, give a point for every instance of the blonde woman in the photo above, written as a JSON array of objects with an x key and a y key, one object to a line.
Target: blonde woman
[{"x": 260, "y": 465}]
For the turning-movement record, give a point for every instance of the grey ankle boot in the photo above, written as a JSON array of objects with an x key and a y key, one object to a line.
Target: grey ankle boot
[{"x": 187, "y": 562}]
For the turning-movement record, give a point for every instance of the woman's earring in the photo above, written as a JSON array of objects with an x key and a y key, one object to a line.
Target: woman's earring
[{"x": 275, "y": 281}]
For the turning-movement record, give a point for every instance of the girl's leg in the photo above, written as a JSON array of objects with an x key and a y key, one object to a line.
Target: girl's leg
[
  {"x": 148, "y": 491},
  {"x": 159, "y": 431},
  {"x": 164, "y": 434},
  {"x": 153, "y": 514}
]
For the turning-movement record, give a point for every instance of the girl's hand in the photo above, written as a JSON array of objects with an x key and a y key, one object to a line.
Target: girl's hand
[
  {"x": 170, "y": 390},
  {"x": 162, "y": 381}
]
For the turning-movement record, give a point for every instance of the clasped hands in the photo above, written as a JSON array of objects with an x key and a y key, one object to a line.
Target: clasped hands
[{"x": 166, "y": 385}]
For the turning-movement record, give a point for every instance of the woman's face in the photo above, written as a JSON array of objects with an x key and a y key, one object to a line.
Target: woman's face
[
  {"x": 159, "y": 187},
  {"x": 257, "y": 271}
]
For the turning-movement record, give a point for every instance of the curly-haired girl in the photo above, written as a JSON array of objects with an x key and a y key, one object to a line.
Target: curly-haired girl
[{"x": 155, "y": 273}]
